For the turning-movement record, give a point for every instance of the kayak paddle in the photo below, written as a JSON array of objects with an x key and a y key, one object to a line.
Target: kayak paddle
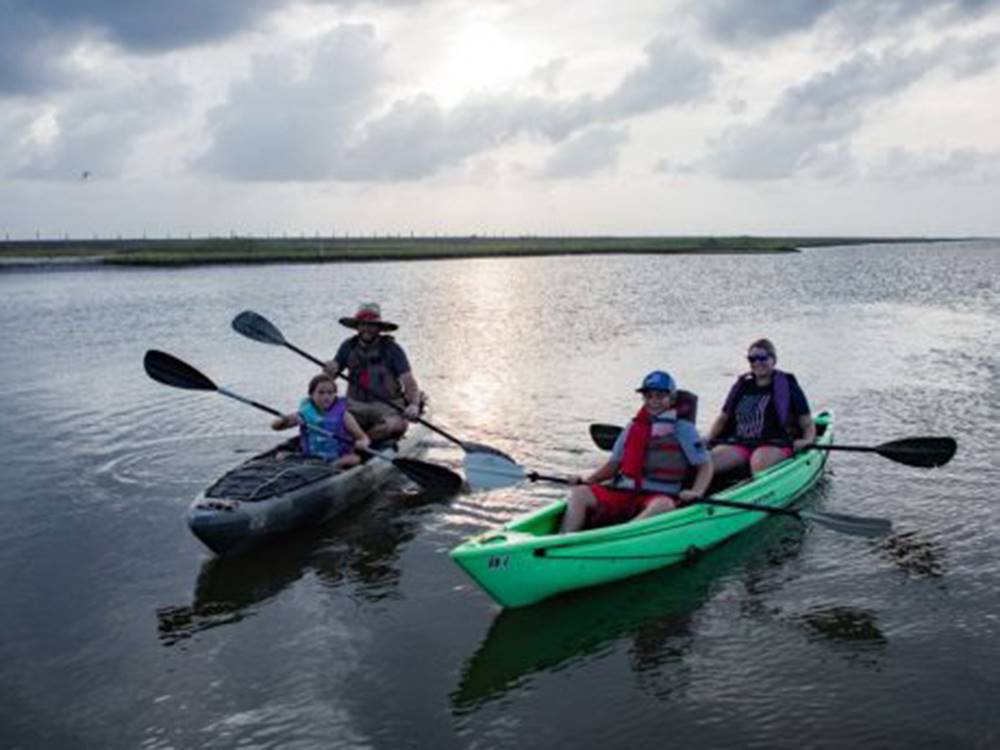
[
  {"x": 925, "y": 452},
  {"x": 491, "y": 472},
  {"x": 605, "y": 435},
  {"x": 257, "y": 327},
  {"x": 167, "y": 369}
]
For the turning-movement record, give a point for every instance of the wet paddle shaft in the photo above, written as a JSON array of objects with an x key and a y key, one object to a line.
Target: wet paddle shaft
[
  {"x": 257, "y": 327},
  {"x": 169, "y": 370},
  {"x": 492, "y": 472},
  {"x": 924, "y": 452}
]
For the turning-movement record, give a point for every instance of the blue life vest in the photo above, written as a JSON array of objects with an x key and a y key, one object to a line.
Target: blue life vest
[{"x": 314, "y": 443}]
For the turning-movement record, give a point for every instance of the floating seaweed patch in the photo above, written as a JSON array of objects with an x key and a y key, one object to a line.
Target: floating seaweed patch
[{"x": 916, "y": 554}]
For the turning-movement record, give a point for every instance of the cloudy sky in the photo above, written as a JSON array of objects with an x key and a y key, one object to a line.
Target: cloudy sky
[{"x": 182, "y": 117}]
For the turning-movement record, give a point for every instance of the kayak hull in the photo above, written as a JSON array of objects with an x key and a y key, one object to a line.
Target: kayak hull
[
  {"x": 526, "y": 561},
  {"x": 280, "y": 491}
]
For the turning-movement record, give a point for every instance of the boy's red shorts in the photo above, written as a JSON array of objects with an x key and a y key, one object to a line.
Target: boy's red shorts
[{"x": 617, "y": 506}]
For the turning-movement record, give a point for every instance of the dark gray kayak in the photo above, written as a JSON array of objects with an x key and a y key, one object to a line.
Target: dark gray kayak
[{"x": 281, "y": 490}]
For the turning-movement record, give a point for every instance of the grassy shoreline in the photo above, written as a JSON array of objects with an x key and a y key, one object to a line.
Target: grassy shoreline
[{"x": 209, "y": 251}]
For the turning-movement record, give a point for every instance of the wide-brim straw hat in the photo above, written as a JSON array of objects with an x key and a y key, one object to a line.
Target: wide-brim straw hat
[{"x": 368, "y": 312}]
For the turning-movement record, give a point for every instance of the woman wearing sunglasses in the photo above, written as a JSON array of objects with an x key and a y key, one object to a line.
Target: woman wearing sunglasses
[{"x": 765, "y": 417}]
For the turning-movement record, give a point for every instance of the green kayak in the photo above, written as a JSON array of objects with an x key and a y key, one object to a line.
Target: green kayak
[{"x": 525, "y": 561}]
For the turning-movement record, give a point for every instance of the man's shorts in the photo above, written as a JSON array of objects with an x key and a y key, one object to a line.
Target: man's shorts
[{"x": 370, "y": 413}]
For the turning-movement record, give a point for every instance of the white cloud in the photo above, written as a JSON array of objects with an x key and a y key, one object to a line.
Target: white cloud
[
  {"x": 962, "y": 165},
  {"x": 96, "y": 131},
  {"x": 499, "y": 114},
  {"x": 753, "y": 22},
  {"x": 809, "y": 130},
  {"x": 292, "y": 117},
  {"x": 324, "y": 124},
  {"x": 589, "y": 152},
  {"x": 672, "y": 73}
]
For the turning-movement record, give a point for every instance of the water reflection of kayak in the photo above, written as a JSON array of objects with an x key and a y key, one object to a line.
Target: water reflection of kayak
[
  {"x": 358, "y": 550},
  {"x": 526, "y": 561},
  {"x": 281, "y": 490},
  {"x": 655, "y": 611}
]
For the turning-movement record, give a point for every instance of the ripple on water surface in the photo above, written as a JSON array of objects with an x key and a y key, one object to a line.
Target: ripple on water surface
[{"x": 362, "y": 632}]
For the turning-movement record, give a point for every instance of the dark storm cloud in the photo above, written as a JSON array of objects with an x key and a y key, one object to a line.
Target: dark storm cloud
[
  {"x": 750, "y": 21},
  {"x": 272, "y": 130},
  {"x": 35, "y": 35},
  {"x": 31, "y": 53}
]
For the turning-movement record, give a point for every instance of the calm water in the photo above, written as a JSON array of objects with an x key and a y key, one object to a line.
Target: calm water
[{"x": 120, "y": 631}]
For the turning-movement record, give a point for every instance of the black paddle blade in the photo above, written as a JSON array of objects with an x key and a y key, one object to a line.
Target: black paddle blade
[
  {"x": 604, "y": 435},
  {"x": 258, "y": 328},
  {"x": 926, "y": 452},
  {"x": 439, "y": 480},
  {"x": 167, "y": 369},
  {"x": 854, "y": 525}
]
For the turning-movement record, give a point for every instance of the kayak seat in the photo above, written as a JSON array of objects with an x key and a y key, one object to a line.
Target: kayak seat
[{"x": 687, "y": 406}]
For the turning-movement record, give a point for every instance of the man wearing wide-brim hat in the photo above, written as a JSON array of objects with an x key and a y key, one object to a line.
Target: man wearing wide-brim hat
[{"x": 382, "y": 393}]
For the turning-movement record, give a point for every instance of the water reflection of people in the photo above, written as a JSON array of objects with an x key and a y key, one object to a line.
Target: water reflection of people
[
  {"x": 764, "y": 404},
  {"x": 649, "y": 463}
]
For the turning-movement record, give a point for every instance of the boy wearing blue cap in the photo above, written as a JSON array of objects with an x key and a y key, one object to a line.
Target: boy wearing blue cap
[{"x": 647, "y": 465}]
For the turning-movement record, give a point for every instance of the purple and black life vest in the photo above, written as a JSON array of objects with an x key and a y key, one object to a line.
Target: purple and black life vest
[{"x": 781, "y": 397}]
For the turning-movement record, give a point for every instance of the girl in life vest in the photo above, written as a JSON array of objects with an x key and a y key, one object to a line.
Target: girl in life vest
[
  {"x": 765, "y": 418},
  {"x": 327, "y": 429},
  {"x": 647, "y": 466}
]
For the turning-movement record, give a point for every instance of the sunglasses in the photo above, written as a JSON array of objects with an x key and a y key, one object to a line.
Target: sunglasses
[
  {"x": 655, "y": 394},
  {"x": 751, "y": 358}
]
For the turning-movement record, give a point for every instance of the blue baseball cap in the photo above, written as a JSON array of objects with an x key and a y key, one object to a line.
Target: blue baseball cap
[{"x": 657, "y": 380}]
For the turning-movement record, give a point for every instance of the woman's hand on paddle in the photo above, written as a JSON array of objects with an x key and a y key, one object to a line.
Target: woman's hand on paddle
[
  {"x": 801, "y": 444},
  {"x": 412, "y": 412},
  {"x": 363, "y": 442}
]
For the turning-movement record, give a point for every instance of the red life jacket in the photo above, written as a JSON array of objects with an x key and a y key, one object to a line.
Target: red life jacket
[{"x": 654, "y": 457}]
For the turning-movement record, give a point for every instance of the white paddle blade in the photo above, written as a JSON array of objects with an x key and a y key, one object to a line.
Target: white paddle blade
[{"x": 489, "y": 471}]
